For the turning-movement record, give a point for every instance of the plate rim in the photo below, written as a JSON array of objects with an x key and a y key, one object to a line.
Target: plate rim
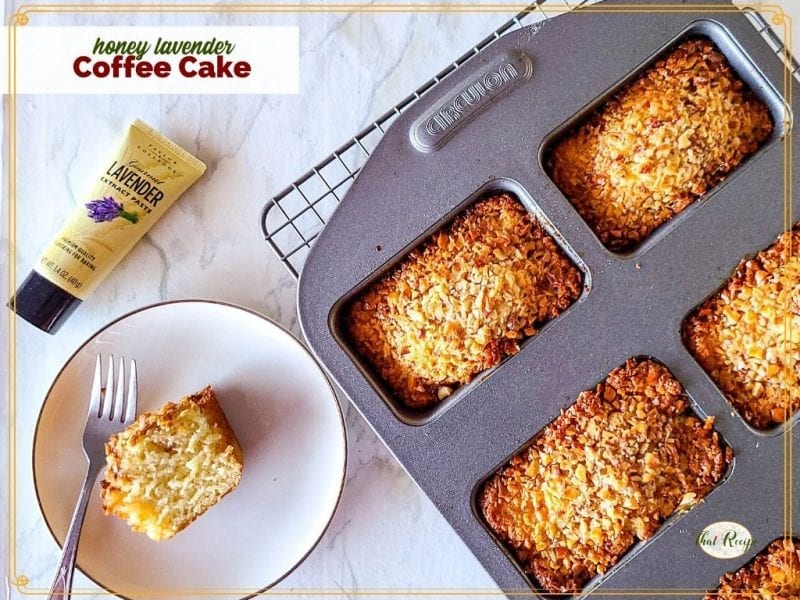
[{"x": 223, "y": 303}]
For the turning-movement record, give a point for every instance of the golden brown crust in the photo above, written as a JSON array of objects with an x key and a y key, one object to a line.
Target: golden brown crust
[
  {"x": 747, "y": 336},
  {"x": 206, "y": 399},
  {"x": 772, "y": 575},
  {"x": 604, "y": 474},
  {"x": 661, "y": 143},
  {"x": 462, "y": 301}
]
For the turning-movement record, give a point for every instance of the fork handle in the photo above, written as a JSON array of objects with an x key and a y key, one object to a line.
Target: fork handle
[{"x": 62, "y": 583}]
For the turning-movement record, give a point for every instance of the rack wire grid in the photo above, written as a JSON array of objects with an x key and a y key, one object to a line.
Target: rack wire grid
[{"x": 292, "y": 219}]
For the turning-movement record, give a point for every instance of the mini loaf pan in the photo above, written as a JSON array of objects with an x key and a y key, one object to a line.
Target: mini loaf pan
[
  {"x": 422, "y": 417},
  {"x": 488, "y": 127}
]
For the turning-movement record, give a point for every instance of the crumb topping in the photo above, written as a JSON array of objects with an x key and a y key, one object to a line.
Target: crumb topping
[
  {"x": 747, "y": 336},
  {"x": 773, "y": 575},
  {"x": 463, "y": 301},
  {"x": 659, "y": 144},
  {"x": 606, "y": 473}
]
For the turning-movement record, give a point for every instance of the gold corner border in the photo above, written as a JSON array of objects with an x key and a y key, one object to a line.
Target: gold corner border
[
  {"x": 781, "y": 18},
  {"x": 18, "y": 581},
  {"x": 788, "y": 500},
  {"x": 21, "y": 18}
]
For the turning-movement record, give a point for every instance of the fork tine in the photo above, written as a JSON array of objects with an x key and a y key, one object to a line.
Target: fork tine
[
  {"x": 108, "y": 392},
  {"x": 133, "y": 396},
  {"x": 97, "y": 389},
  {"x": 119, "y": 393}
]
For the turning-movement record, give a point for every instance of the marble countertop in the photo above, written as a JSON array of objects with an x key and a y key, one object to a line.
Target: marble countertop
[{"x": 386, "y": 535}]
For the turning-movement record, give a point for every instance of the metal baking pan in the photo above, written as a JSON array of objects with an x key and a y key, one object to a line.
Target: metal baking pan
[{"x": 420, "y": 175}]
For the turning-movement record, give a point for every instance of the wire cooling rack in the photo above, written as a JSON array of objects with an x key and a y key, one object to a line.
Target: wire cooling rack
[{"x": 292, "y": 219}]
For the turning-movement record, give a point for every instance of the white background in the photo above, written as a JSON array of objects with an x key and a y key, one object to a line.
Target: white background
[{"x": 45, "y": 57}]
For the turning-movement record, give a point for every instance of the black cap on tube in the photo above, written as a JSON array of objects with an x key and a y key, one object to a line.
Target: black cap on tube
[{"x": 42, "y": 303}]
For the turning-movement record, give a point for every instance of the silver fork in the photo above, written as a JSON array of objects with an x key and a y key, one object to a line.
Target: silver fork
[{"x": 110, "y": 411}]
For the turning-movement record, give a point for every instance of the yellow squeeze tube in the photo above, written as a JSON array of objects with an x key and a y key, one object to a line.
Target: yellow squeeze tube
[{"x": 140, "y": 181}]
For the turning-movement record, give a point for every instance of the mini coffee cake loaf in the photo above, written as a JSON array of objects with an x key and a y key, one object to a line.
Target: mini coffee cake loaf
[
  {"x": 606, "y": 473},
  {"x": 747, "y": 336},
  {"x": 662, "y": 142},
  {"x": 773, "y": 575},
  {"x": 463, "y": 301},
  {"x": 171, "y": 465}
]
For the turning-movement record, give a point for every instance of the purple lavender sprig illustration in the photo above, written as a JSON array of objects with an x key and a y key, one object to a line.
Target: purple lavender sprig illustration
[{"x": 109, "y": 209}]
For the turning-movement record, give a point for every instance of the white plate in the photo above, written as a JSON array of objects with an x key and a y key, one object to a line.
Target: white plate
[{"x": 283, "y": 411}]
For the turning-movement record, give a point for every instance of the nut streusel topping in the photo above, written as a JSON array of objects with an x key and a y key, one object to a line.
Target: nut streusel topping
[
  {"x": 659, "y": 144},
  {"x": 747, "y": 336},
  {"x": 463, "y": 301},
  {"x": 606, "y": 473}
]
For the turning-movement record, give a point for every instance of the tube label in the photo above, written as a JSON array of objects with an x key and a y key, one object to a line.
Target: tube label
[{"x": 135, "y": 187}]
